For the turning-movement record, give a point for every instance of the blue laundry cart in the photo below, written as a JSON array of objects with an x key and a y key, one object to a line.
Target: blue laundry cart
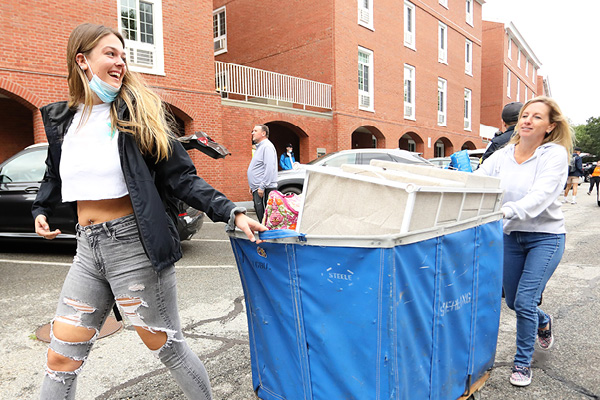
[{"x": 404, "y": 316}]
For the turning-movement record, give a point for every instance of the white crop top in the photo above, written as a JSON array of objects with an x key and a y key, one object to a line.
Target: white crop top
[{"x": 90, "y": 167}]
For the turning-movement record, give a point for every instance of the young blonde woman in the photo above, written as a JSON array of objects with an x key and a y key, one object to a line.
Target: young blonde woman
[
  {"x": 533, "y": 169},
  {"x": 111, "y": 155}
]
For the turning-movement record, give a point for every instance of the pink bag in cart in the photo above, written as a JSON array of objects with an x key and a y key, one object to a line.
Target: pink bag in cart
[{"x": 282, "y": 210}]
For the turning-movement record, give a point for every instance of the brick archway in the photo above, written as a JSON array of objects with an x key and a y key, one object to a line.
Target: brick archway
[{"x": 20, "y": 94}]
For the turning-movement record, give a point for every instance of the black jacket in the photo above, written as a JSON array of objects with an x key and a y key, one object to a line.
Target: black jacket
[
  {"x": 151, "y": 186},
  {"x": 498, "y": 142}
]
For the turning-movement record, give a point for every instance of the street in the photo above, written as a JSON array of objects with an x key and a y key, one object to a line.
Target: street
[{"x": 214, "y": 323}]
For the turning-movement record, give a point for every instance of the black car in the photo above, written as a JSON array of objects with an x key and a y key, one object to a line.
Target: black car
[{"x": 20, "y": 179}]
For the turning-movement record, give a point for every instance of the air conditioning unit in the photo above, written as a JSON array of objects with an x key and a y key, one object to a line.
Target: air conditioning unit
[
  {"x": 364, "y": 15},
  {"x": 141, "y": 57},
  {"x": 408, "y": 37},
  {"x": 219, "y": 44},
  {"x": 408, "y": 110},
  {"x": 364, "y": 101},
  {"x": 441, "y": 119},
  {"x": 467, "y": 124}
]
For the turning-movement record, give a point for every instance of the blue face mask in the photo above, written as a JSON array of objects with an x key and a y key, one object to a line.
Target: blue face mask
[{"x": 107, "y": 93}]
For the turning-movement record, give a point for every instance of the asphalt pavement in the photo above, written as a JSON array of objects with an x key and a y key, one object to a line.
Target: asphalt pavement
[{"x": 214, "y": 323}]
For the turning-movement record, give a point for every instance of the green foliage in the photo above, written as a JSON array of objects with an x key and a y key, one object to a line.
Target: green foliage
[{"x": 588, "y": 136}]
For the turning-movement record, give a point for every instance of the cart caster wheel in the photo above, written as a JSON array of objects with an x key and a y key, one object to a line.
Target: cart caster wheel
[{"x": 475, "y": 396}]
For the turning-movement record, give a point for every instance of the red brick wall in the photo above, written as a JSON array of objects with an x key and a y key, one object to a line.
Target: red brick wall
[{"x": 389, "y": 57}]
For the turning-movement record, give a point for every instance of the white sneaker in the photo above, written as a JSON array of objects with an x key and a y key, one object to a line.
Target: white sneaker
[{"x": 573, "y": 202}]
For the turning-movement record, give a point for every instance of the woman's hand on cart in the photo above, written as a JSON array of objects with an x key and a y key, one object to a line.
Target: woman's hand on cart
[{"x": 248, "y": 226}]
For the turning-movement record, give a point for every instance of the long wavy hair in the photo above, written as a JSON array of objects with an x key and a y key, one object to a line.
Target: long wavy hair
[
  {"x": 149, "y": 122},
  {"x": 561, "y": 134}
]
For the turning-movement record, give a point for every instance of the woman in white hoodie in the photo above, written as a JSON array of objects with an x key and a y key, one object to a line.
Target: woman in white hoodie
[{"x": 533, "y": 169}]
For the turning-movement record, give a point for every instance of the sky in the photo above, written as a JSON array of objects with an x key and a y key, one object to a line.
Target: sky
[{"x": 565, "y": 37}]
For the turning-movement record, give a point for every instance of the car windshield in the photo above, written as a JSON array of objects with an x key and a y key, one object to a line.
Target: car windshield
[{"x": 28, "y": 167}]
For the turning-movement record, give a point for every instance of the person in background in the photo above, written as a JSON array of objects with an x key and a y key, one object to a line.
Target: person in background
[
  {"x": 113, "y": 156},
  {"x": 532, "y": 169},
  {"x": 595, "y": 179},
  {"x": 575, "y": 173},
  {"x": 510, "y": 115},
  {"x": 287, "y": 160},
  {"x": 262, "y": 171}
]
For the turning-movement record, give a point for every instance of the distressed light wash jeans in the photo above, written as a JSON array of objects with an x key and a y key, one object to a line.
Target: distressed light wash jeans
[
  {"x": 111, "y": 265},
  {"x": 530, "y": 259}
]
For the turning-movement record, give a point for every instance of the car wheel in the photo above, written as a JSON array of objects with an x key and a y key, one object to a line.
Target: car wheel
[{"x": 291, "y": 190}]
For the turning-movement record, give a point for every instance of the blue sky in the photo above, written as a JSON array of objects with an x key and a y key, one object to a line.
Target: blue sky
[{"x": 565, "y": 37}]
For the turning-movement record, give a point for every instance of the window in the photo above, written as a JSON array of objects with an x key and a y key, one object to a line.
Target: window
[
  {"x": 468, "y": 57},
  {"x": 409, "y": 91},
  {"x": 409, "y": 25},
  {"x": 443, "y": 43},
  {"x": 220, "y": 31},
  {"x": 469, "y": 11},
  {"x": 365, "y": 13},
  {"x": 509, "y": 48},
  {"x": 27, "y": 167},
  {"x": 365, "y": 79},
  {"x": 526, "y": 94},
  {"x": 518, "y": 89},
  {"x": 339, "y": 160},
  {"x": 140, "y": 23},
  {"x": 444, "y": 3},
  {"x": 519, "y": 58},
  {"x": 467, "y": 109},
  {"x": 508, "y": 83},
  {"x": 412, "y": 145},
  {"x": 442, "y": 85}
]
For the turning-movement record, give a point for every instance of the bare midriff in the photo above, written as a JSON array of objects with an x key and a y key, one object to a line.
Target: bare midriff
[{"x": 91, "y": 212}]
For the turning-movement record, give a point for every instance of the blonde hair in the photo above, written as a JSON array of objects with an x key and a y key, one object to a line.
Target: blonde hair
[
  {"x": 561, "y": 134},
  {"x": 149, "y": 122}
]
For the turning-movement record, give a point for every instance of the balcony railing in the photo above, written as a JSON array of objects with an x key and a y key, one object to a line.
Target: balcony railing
[{"x": 253, "y": 83}]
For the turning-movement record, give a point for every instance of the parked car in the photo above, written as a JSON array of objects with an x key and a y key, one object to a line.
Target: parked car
[
  {"x": 20, "y": 179},
  {"x": 292, "y": 181},
  {"x": 443, "y": 162}
]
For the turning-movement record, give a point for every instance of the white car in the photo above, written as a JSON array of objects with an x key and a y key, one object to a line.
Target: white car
[{"x": 292, "y": 181}]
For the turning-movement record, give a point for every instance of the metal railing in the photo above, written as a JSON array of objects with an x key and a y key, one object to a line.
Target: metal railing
[{"x": 257, "y": 83}]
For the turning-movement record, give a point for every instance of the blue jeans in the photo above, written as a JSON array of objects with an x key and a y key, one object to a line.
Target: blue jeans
[
  {"x": 111, "y": 265},
  {"x": 530, "y": 259}
]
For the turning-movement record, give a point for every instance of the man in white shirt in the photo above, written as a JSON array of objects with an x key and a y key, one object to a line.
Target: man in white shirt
[{"x": 262, "y": 171}]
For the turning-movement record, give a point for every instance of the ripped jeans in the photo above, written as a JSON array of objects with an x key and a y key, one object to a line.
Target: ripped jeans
[{"x": 111, "y": 265}]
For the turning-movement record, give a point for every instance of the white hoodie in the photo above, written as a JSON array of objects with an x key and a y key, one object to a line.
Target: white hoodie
[{"x": 531, "y": 189}]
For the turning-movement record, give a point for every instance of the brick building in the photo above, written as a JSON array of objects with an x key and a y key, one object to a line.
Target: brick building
[
  {"x": 509, "y": 71},
  {"x": 418, "y": 64},
  {"x": 418, "y": 85}
]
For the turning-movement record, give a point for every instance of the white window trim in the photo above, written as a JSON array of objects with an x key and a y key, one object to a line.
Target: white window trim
[
  {"x": 526, "y": 95},
  {"x": 468, "y": 57},
  {"x": 526, "y": 67},
  {"x": 410, "y": 37},
  {"x": 469, "y": 15},
  {"x": 365, "y": 16},
  {"x": 371, "y": 91},
  {"x": 442, "y": 115},
  {"x": 444, "y": 3},
  {"x": 442, "y": 36},
  {"x": 509, "y": 48},
  {"x": 519, "y": 57},
  {"x": 222, "y": 38},
  {"x": 410, "y": 104},
  {"x": 158, "y": 52},
  {"x": 518, "y": 89},
  {"x": 508, "y": 83},
  {"x": 468, "y": 108}
]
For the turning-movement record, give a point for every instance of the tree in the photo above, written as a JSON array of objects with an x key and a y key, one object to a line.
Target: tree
[{"x": 588, "y": 136}]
